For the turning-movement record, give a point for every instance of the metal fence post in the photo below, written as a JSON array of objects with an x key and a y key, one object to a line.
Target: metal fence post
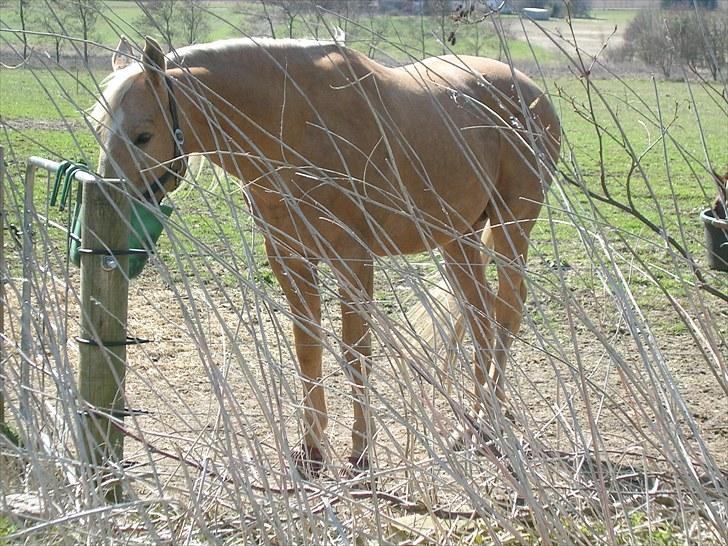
[{"x": 3, "y": 280}]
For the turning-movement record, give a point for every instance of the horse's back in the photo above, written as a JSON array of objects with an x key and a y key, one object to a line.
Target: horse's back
[{"x": 502, "y": 89}]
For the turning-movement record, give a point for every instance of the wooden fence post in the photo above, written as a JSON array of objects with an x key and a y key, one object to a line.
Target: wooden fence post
[{"x": 104, "y": 302}]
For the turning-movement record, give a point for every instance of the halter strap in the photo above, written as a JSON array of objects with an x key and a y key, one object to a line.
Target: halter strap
[{"x": 178, "y": 139}]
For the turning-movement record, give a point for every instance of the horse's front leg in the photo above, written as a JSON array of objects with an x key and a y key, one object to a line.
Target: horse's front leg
[
  {"x": 297, "y": 277},
  {"x": 356, "y": 292}
]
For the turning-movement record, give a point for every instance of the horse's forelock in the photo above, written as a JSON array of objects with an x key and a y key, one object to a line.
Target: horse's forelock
[{"x": 113, "y": 89}]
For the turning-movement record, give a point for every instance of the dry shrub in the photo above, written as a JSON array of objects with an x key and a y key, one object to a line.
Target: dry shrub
[{"x": 688, "y": 38}]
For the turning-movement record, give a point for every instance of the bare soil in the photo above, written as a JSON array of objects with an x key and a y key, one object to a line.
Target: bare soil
[
  {"x": 176, "y": 378},
  {"x": 590, "y": 35},
  {"x": 218, "y": 387}
]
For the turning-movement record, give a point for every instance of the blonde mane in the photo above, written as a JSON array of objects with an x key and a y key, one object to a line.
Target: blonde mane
[{"x": 116, "y": 84}]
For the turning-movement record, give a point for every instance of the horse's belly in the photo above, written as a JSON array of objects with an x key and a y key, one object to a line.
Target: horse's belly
[
  {"x": 414, "y": 236},
  {"x": 406, "y": 210},
  {"x": 418, "y": 212}
]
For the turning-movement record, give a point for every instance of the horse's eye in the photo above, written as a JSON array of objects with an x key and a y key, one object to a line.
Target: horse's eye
[{"x": 142, "y": 139}]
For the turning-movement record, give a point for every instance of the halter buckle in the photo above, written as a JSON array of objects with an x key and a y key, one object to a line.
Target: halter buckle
[{"x": 179, "y": 136}]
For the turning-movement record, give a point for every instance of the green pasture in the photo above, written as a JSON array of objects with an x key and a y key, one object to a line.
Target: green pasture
[
  {"x": 43, "y": 113},
  {"x": 373, "y": 33},
  {"x": 661, "y": 125},
  {"x": 47, "y": 95}
]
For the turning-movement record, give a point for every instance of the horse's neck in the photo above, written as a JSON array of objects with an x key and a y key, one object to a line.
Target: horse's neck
[
  {"x": 260, "y": 91},
  {"x": 242, "y": 91}
]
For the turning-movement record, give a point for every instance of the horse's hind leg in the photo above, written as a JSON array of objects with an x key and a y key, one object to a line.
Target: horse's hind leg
[
  {"x": 297, "y": 278},
  {"x": 510, "y": 238},
  {"x": 356, "y": 278}
]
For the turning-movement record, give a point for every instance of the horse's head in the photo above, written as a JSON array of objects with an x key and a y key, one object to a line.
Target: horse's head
[{"x": 137, "y": 123}]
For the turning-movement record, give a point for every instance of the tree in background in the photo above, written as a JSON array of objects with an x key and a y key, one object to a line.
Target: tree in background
[
  {"x": 268, "y": 18},
  {"x": 646, "y": 39},
  {"x": 442, "y": 12},
  {"x": 195, "y": 21},
  {"x": 82, "y": 17},
  {"x": 291, "y": 10},
  {"x": 578, "y": 8},
  {"x": 376, "y": 26},
  {"x": 160, "y": 18},
  {"x": 175, "y": 22},
  {"x": 55, "y": 20},
  {"x": 663, "y": 39},
  {"x": 23, "y": 6},
  {"x": 715, "y": 32},
  {"x": 345, "y": 12}
]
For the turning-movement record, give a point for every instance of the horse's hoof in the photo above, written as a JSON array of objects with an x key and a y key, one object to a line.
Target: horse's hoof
[
  {"x": 356, "y": 469},
  {"x": 463, "y": 439},
  {"x": 509, "y": 416},
  {"x": 309, "y": 462},
  {"x": 471, "y": 436}
]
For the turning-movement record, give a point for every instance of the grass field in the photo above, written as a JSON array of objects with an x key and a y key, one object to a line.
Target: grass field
[{"x": 42, "y": 102}]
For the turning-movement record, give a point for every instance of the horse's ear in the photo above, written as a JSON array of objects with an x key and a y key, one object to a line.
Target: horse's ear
[
  {"x": 123, "y": 56},
  {"x": 153, "y": 59}
]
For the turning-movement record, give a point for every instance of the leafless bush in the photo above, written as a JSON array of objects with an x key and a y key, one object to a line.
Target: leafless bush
[
  {"x": 615, "y": 429},
  {"x": 666, "y": 39},
  {"x": 178, "y": 22}
]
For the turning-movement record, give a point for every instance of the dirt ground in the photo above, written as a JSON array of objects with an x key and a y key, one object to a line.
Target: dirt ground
[
  {"x": 214, "y": 360},
  {"x": 218, "y": 387},
  {"x": 591, "y": 35}
]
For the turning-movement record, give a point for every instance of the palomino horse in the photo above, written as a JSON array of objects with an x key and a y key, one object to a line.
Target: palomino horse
[{"x": 344, "y": 160}]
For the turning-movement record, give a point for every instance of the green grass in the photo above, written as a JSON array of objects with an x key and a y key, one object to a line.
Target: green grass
[
  {"x": 635, "y": 115},
  {"x": 41, "y": 94},
  {"x": 52, "y": 144},
  {"x": 7, "y": 527},
  {"x": 633, "y": 104},
  {"x": 13, "y": 437},
  {"x": 365, "y": 32},
  {"x": 687, "y": 190}
]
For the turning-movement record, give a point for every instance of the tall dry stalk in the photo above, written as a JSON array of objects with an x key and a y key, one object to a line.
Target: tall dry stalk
[{"x": 615, "y": 427}]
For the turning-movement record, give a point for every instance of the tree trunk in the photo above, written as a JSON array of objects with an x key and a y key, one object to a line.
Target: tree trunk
[{"x": 22, "y": 27}]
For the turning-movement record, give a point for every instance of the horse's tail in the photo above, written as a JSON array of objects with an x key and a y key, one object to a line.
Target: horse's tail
[
  {"x": 195, "y": 164},
  {"x": 437, "y": 320}
]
